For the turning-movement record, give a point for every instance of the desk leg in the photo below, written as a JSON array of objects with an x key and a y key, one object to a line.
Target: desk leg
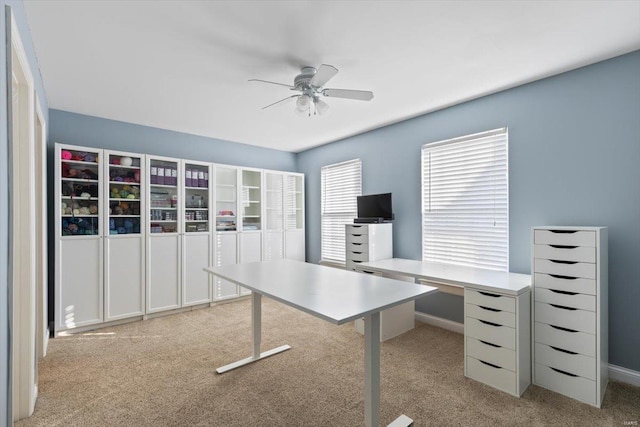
[
  {"x": 372, "y": 375},
  {"x": 256, "y": 328}
]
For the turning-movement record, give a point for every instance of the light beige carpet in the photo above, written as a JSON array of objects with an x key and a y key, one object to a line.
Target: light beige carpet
[{"x": 160, "y": 372}]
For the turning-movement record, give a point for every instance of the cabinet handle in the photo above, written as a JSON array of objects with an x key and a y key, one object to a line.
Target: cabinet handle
[
  {"x": 563, "y": 292},
  {"x": 564, "y": 231},
  {"x": 490, "y": 344},
  {"x": 558, "y": 276},
  {"x": 367, "y": 272},
  {"x": 563, "y": 307},
  {"x": 357, "y": 244},
  {"x": 490, "y": 323},
  {"x": 563, "y": 329},
  {"x": 356, "y": 252},
  {"x": 356, "y": 226},
  {"x": 564, "y": 372},
  {"x": 491, "y": 364},
  {"x": 563, "y": 350},
  {"x": 357, "y": 235},
  {"x": 489, "y": 308},
  {"x": 563, "y": 247},
  {"x": 563, "y": 262},
  {"x": 487, "y": 294},
  {"x": 355, "y": 261}
]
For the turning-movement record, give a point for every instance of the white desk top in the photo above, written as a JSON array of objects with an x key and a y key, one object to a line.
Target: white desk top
[
  {"x": 478, "y": 278},
  {"x": 333, "y": 294}
]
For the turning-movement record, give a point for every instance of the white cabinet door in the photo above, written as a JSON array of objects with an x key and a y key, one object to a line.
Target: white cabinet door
[
  {"x": 197, "y": 256},
  {"x": 250, "y": 251},
  {"x": 226, "y": 254},
  {"x": 163, "y": 284},
  {"x": 124, "y": 276},
  {"x": 80, "y": 274},
  {"x": 294, "y": 245}
]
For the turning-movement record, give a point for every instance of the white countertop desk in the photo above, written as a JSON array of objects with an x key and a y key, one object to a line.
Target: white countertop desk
[
  {"x": 448, "y": 277},
  {"x": 335, "y": 295}
]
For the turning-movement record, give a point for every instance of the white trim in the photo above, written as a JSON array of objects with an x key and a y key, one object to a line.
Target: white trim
[
  {"x": 439, "y": 322},
  {"x": 624, "y": 375},
  {"x": 40, "y": 143}
]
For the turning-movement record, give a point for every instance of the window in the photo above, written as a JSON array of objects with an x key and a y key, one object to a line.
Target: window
[
  {"x": 340, "y": 184},
  {"x": 465, "y": 201}
]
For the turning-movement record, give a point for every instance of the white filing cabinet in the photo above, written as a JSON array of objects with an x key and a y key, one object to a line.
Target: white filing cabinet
[
  {"x": 372, "y": 242},
  {"x": 368, "y": 242},
  {"x": 497, "y": 337},
  {"x": 570, "y": 341}
]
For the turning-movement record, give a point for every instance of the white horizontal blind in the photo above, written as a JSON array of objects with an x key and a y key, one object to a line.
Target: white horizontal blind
[
  {"x": 341, "y": 183},
  {"x": 465, "y": 201}
]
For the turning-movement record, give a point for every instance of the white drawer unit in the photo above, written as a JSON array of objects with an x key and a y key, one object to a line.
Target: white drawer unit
[
  {"x": 367, "y": 242},
  {"x": 570, "y": 320},
  {"x": 497, "y": 339}
]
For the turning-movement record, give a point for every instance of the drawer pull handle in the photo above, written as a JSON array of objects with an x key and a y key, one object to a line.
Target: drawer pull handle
[
  {"x": 487, "y": 294},
  {"x": 563, "y": 292},
  {"x": 491, "y": 364},
  {"x": 557, "y": 276},
  {"x": 564, "y": 372},
  {"x": 356, "y": 226},
  {"x": 490, "y": 323},
  {"x": 367, "y": 272},
  {"x": 356, "y": 235},
  {"x": 356, "y": 261},
  {"x": 356, "y": 252},
  {"x": 563, "y": 247},
  {"x": 489, "y": 308},
  {"x": 563, "y": 329},
  {"x": 564, "y": 231},
  {"x": 563, "y": 350},
  {"x": 490, "y": 344},
  {"x": 357, "y": 244},
  {"x": 563, "y": 262},
  {"x": 563, "y": 307}
]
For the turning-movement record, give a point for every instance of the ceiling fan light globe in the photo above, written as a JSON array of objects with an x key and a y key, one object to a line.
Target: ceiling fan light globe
[
  {"x": 302, "y": 103},
  {"x": 321, "y": 106}
]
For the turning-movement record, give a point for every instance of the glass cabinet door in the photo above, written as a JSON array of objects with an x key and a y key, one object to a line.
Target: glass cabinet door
[
  {"x": 196, "y": 198},
  {"x": 295, "y": 214},
  {"x": 80, "y": 207},
  {"x": 251, "y": 200},
  {"x": 274, "y": 209},
  {"x": 125, "y": 193},
  {"x": 163, "y": 196},
  {"x": 226, "y": 198}
]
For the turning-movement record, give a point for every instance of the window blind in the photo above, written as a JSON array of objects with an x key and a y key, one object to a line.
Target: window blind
[
  {"x": 341, "y": 183},
  {"x": 465, "y": 201}
]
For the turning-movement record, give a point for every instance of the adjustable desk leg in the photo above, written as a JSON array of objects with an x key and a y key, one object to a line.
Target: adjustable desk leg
[{"x": 256, "y": 329}]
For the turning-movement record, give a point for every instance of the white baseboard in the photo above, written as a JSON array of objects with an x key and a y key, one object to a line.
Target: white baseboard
[
  {"x": 440, "y": 322},
  {"x": 624, "y": 375},
  {"x": 47, "y": 334}
]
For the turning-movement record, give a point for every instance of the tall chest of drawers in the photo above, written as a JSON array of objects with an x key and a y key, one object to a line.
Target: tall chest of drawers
[
  {"x": 570, "y": 319},
  {"x": 368, "y": 242}
]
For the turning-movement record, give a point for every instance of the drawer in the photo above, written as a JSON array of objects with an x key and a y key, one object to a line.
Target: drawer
[
  {"x": 357, "y": 229},
  {"x": 499, "y": 356},
  {"x": 566, "y": 299},
  {"x": 357, "y": 247},
  {"x": 565, "y": 253},
  {"x": 351, "y": 265},
  {"x": 566, "y": 268},
  {"x": 565, "y": 237},
  {"x": 566, "y": 317},
  {"x": 357, "y": 256},
  {"x": 490, "y": 300},
  {"x": 493, "y": 315},
  {"x": 503, "y": 336},
  {"x": 578, "y": 364},
  {"x": 578, "y": 342},
  {"x": 565, "y": 283},
  {"x": 576, "y": 387},
  {"x": 357, "y": 238},
  {"x": 497, "y": 377}
]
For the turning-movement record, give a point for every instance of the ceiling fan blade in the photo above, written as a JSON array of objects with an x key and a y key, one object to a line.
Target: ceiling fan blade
[
  {"x": 282, "y": 100},
  {"x": 360, "y": 95},
  {"x": 273, "y": 83},
  {"x": 323, "y": 75}
]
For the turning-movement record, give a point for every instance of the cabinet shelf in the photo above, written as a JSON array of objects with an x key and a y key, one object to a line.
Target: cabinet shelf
[
  {"x": 251, "y": 187},
  {"x": 163, "y": 209},
  {"x": 251, "y": 216},
  {"x": 163, "y": 186},
  {"x": 79, "y": 162},
  {"x": 196, "y": 188},
  {"x": 225, "y": 201},
  {"x": 79, "y": 216},
  {"x": 79, "y": 180},
  {"x": 196, "y": 209},
  {"x": 80, "y": 198},
  {"x": 124, "y": 216},
  {"x": 226, "y": 185},
  {"x": 120, "y": 199},
  {"x": 197, "y": 220},
  {"x": 125, "y": 183},
  {"x": 112, "y": 166},
  {"x": 154, "y": 221}
]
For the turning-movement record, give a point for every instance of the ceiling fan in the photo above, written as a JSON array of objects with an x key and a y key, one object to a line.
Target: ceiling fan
[{"x": 310, "y": 83}]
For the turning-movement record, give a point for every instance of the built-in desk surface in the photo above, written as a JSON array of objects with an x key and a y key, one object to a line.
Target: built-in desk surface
[{"x": 454, "y": 275}]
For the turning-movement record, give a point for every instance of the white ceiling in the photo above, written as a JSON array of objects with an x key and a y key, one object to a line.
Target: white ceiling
[{"x": 184, "y": 65}]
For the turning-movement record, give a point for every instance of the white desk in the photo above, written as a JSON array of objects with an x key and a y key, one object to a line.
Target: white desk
[
  {"x": 497, "y": 316},
  {"x": 337, "y": 296}
]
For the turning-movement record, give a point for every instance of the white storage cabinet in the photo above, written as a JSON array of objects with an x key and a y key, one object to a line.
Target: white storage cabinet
[
  {"x": 570, "y": 340},
  {"x": 294, "y": 234},
  {"x": 226, "y": 231}
]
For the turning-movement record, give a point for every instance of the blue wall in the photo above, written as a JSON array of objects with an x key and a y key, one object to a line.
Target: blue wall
[
  {"x": 25, "y": 35},
  {"x": 574, "y": 159}
]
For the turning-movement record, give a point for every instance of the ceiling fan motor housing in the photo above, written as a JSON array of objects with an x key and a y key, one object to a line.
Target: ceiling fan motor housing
[{"x": 301, "y": 82}]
